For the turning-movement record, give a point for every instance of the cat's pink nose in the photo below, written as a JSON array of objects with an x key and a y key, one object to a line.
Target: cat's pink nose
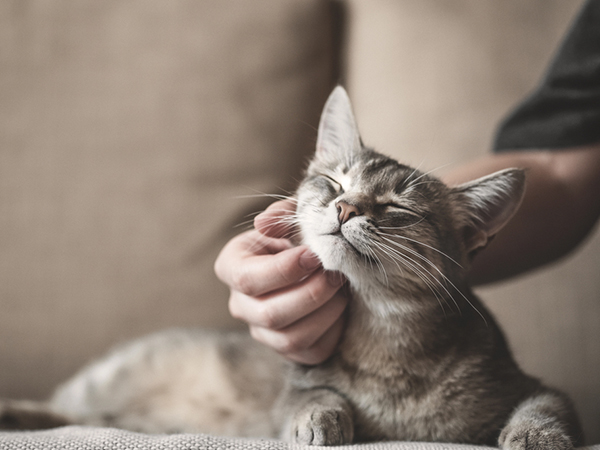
[{"x": 346, "y": 211}]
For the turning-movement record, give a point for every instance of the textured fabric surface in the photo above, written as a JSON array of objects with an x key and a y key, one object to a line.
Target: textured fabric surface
[
  {"x": 81, "y": 438},
  {"x": 71, "y": 438},
  {"x": 134, "y": 136}
]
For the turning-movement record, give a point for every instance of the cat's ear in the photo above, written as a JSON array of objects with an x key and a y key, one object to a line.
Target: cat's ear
[
  {"x": 338, "y": 136},
  {"x": 485, "y": 205}
]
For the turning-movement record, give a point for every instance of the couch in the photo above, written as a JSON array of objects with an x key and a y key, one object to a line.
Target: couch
[{"x": 138, "y": 136}]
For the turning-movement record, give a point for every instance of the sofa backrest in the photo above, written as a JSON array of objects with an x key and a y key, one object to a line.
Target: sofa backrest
[{"x": 135, "y": 136}]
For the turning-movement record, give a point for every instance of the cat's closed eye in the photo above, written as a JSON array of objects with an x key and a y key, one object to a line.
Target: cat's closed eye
[
  {"x": 394, "y": 207},
  {"x": 335, "y": 184}
]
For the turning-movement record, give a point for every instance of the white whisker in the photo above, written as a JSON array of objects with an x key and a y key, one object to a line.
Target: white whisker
[
  {"x": 445, "y": 278},
  {"x": 423, "y": 273},
  {"x": 424, "y": 245}
]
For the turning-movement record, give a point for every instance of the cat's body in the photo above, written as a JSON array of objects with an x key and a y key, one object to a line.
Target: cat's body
[
  {"x": 420, "y": 359},
  {"x": 179, "y": 380}
]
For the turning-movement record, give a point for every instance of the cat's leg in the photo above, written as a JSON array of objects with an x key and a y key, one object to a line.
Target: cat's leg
[
  {"x": 28, "y": 415},
  {"x": 545, "y": 421},
  {"x": 316, "y": 417}
]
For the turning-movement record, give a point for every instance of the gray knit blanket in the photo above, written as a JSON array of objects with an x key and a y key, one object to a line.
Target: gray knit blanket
[{"x": 90, "y": 438}]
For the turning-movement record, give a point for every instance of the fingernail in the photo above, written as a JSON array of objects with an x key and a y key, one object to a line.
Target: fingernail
[
  {"x": 335, "y": 279},
  {"x": 309, "y": 261}
]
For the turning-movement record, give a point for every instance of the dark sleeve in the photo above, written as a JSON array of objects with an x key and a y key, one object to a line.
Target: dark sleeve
[{"x": 564, "y": 111}]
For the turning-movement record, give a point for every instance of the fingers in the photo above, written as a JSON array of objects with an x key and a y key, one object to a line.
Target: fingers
[
  {"x": 304, "y": 323},
  {"x": 312, "y": 339},
  {"x": 277, "y": 221},
  {"x": 281, "y": 308},
  {"x": 279, "y": 290},
  {"x": 254, "y": 265},
  {"x": 323, "y": 348}
]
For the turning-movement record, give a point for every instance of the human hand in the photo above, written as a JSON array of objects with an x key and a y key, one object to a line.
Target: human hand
[{"x": 289, "y": 302}]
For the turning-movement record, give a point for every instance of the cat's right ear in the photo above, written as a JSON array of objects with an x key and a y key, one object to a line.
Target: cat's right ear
[
  {"x": 338, "y": 137},
  {"x": 484, "y": 206}
]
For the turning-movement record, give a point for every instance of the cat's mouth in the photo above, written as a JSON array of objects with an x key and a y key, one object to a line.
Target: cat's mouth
[{"x": 339, "y": 235}]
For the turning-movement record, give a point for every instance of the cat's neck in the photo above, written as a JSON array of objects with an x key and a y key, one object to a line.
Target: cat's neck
[{"x": 389, "y": 334}]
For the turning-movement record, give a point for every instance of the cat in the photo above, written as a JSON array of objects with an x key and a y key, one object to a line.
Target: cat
[{"x": 420, "y": 359}]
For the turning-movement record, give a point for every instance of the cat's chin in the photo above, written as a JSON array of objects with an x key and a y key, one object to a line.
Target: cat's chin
[{"x": 335, "y": 252}]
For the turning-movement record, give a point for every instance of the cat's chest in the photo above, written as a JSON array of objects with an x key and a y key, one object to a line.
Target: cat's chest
[
  {"x": 391, "y": 413},
  {"x": 400, "y": 407},
  {"x": 396, "y": 392}
]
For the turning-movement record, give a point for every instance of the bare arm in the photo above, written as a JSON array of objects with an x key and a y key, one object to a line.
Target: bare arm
[{"x": 561, "y": 206}]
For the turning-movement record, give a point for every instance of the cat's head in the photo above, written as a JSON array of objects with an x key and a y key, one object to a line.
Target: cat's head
[{"x": 382, "y": 223}]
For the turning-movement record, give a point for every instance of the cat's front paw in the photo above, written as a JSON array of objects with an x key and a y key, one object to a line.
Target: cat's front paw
[
  {"x": 534, "y": 436},
  {"x": 319, "y": 425}
]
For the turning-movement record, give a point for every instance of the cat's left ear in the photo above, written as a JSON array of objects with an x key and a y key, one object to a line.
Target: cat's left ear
[
  {"x": 338, "y": 137},
  {"x": 485, "y": 205}
]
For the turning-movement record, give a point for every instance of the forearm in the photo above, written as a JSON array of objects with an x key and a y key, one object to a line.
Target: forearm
[{"x": 561, "y": 205}]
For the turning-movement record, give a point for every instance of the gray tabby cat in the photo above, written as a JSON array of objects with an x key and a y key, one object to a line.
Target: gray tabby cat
[{"x": 421, "y": 358}]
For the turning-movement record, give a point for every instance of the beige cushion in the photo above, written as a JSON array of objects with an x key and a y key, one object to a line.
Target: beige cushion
[{"x": 129, "y": 130}]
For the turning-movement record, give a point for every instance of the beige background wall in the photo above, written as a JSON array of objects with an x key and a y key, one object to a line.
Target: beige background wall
[{"x": 430, "y": 80}]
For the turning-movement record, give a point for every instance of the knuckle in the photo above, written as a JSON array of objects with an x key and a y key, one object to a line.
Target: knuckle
[
  {"x": 283, "y": 271},
  {"x": 267, "y": 317},
  {"x": 226, "y": 256},
  {"x": 290, "y": 344},
  {"x": 243, "y": 282},
  {"x": 283, "y": 343},
  {"x": 233, "y": 306},
  {"x": 317, "y": 290},
  {"x": 256, "y": 334},
  {"x": 314, "y": 356},
  {"x": 219, "y": 268}
]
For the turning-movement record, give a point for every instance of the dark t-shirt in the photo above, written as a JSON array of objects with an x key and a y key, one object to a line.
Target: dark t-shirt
[{"x": 564, "y": 111}]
